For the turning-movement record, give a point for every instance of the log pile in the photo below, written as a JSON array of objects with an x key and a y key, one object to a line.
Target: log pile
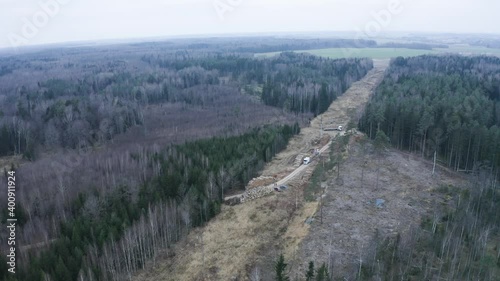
[{"x": 255, "y": 193}]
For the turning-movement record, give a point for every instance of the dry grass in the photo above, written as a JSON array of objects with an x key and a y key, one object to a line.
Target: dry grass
[
  {"x": 231, "y": 242},
  {"x": 298, "y": 229},
  {"x": 350, "y": 217}
]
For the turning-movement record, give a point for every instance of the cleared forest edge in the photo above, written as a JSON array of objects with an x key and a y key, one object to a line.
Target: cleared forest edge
[
  {"x": 380, "y": 196},
  {"x": 250, "y": 234}
]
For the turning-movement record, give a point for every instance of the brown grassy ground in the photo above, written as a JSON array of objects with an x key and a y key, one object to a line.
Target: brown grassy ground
[{"x": 350, "y": 217}]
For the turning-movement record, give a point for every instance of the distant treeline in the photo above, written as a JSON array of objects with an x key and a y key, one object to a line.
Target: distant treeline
[
  {"x": 420, "y": 46},
  {"x": 254, "y": 45},
  {"x": 307, "y": 44},
  {"x": 258, "y": 44},
  {"x": 488, "y": 43},
  {"x": 444, "y": 104}
]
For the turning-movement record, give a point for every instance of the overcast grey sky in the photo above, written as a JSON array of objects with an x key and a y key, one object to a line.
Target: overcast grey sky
[{"x": 27, "y": 22}]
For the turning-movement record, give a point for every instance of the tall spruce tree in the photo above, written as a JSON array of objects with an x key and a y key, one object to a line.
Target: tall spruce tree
[{"x": 280, "y": 268}]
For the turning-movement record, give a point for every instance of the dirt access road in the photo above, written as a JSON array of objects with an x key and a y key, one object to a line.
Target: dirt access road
[
  {"x": 253, "y": 192},
  {"x": 301, "y": 168},
  {"x": 249, "y": 236}
]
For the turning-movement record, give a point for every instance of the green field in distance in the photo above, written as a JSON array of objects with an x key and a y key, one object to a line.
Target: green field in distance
[{"x": 384, "y": 53}]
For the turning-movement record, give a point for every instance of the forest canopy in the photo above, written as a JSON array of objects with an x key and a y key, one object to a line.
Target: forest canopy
[
  {"x": 94, "y": 106},
  {"x": 444, "y": 104}
]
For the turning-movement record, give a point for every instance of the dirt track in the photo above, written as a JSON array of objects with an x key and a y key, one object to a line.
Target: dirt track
[{"x": 251, "y": 234}]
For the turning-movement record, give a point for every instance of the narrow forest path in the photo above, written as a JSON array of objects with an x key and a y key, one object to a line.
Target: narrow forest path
[{"x": 249, "y": 235}]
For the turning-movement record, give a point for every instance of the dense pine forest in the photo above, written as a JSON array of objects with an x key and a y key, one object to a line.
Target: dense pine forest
[
  {"x": 311, "y": 85},
  {"x": 448, "y": 105}
]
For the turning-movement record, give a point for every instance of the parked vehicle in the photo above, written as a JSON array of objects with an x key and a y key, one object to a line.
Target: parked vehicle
[{"x": 307, "y": 160}]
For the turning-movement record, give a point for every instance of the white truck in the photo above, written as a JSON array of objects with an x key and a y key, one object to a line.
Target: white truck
[{"x": 307, "y": 160}]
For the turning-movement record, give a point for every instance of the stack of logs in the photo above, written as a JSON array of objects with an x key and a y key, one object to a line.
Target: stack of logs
[
  {"x": 251, "y": 194},
  {"x": 255, "y": 193}
]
